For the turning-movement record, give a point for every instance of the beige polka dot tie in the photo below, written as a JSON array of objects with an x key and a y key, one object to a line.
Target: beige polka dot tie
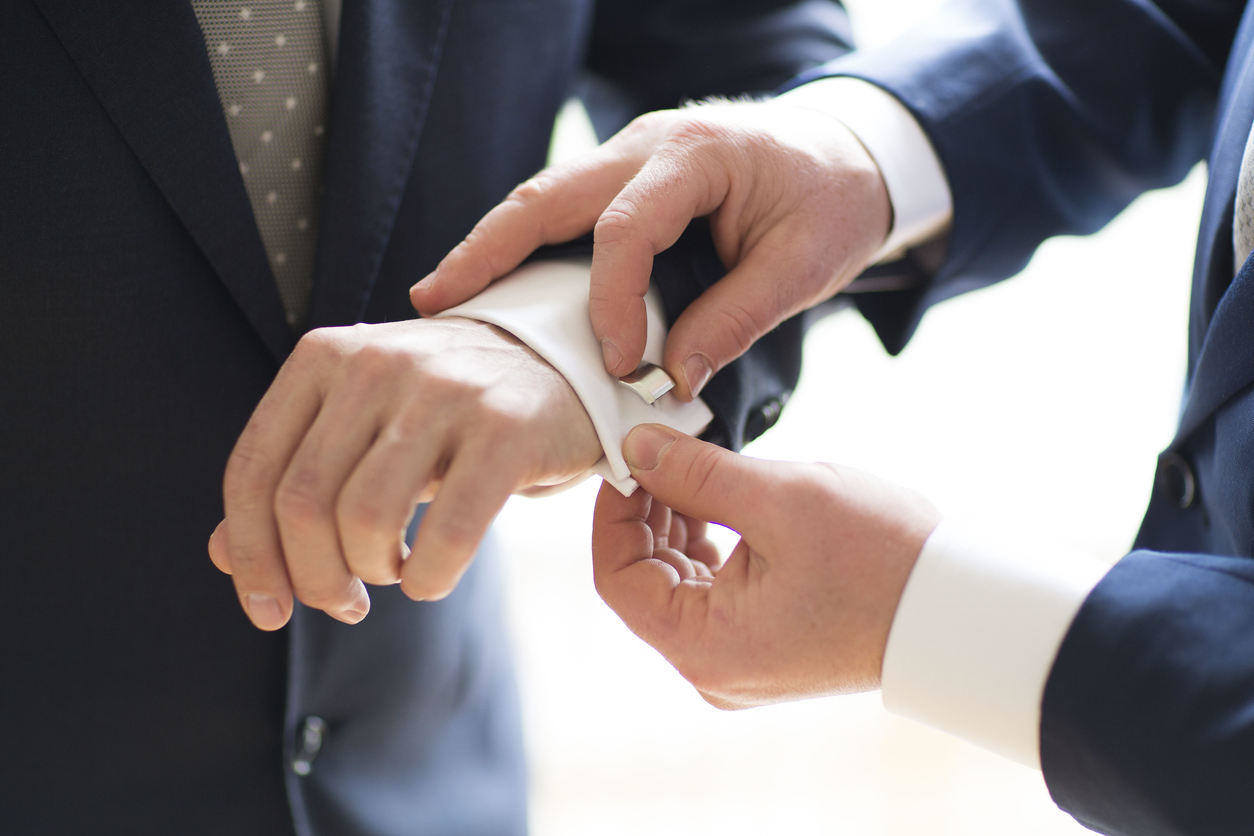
[
  {"x": 269, "y": 60},
  {"x": 1243, "y": 225}
]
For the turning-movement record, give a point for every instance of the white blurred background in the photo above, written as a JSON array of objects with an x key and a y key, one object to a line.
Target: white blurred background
[{"x": 1036, "y": 406}]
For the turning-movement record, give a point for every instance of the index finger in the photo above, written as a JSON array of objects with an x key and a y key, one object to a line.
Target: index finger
[
  {"x": 556, "y": 205},
  {"x": 646, "y": 218}
]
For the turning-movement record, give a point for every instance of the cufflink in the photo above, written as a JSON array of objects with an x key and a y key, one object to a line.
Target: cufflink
[{"x": 650, "y": 382}]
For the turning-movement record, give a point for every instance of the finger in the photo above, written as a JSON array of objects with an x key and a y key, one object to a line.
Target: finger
[
  {"x": 305, "y": 503},
  {"x": 704, "y": 550},
  {"x": 699, "y": 547},
  {"x": 378, "y": 501},
  {"x": 557, "y": 205},
  {"x": 473, "y": 492},
  {"x": 659, "y": 522},
  {"x": 623, "y": 569},
  {"x": 698, "y": 479},
  {"x": 637, "y": 581},
  {"x": 700, "y": 570},
  {"x": 252, "y": 473},
  {"x": 646, "y": 218},
  {"x": 721, "y": 324},
  {"x": 217, "y": 549},
  {"x": 677, "y": 537}
]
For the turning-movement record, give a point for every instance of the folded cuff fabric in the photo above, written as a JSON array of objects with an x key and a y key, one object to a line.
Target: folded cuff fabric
[{"x": 545, "y": 305}]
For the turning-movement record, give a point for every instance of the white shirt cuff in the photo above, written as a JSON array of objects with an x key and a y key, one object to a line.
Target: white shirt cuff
[
  {"x": 920, "y": 196},
  {"x": 545, "y": 305},
  {"x": 976, "y": 634}
]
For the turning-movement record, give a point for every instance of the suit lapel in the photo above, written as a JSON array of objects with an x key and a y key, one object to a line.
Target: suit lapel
[
  {"x": 147, "y": 65},
  {"x": 385, "y": 70},
  {"x": 1221, "y": 342}
]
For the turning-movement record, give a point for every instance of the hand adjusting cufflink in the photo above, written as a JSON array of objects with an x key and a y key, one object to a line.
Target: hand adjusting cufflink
[{"x": 650, "y": 382}]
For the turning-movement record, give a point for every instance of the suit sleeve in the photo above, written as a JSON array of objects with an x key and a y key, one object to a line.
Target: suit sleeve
[
  {"x": 1048, "y": 116},
  {"x": 1148, "y": 716},
  {"x": 655, "y": 54}
]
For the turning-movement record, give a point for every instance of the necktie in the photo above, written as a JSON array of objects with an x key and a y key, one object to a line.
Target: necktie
[
  {"x": 1243, "y": 225},
  {"x": 269, "y": 60}
]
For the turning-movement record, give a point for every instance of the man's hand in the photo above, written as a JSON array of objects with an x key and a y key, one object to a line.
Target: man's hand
[
  {"x": 797, "y": 208},
  {"x": 363, "y": 423},
  {"x": 803, "y": 605}
]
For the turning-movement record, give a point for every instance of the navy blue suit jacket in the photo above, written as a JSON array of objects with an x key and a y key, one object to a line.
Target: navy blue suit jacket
[
  {"x": 1049, "y": 116},
  {"x": 139, "y": 325}
]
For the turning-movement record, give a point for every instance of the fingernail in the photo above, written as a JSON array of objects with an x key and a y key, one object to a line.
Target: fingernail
[
  {"x": 351, "y": 616},
  {"x": 613, "y": 357},
  {"x": 421, "y": 286},
  {"x": 697, "y": 371},
  {"x": 264, "y": 611},
  {"x": 645, "y": 445},
  {"x": 355, "y": 611}
]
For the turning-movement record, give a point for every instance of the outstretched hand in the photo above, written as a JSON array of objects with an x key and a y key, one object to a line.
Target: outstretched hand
[
  {"x": 802, "y": 607},
  {"x": 797, "y": 209}
]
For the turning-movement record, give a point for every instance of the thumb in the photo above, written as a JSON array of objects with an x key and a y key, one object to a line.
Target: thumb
[{"x": 697, "y": 479}]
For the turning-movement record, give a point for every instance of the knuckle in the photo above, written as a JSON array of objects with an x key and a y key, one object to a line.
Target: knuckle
[
  {"x": 477, "y": 248},
  {"x": 500, "y": 422},
  {"x": 646, "y": 125},
  {"x": 457, "y": 540},
  {"x": 247, "y": 561},
  {"x": 532, "y": 190},
  {"x": 617, "y": 223},
  {"x": 374, "y": 360},
  {"x": 248, "y": 471},
  {"x": 299, "y": 500},
  {"x": 314, "y": 344},
  {"x": 703, "y": 469},
  {"x": 357, "y": 515},
  {"x": 698, "y": 133},
  {"x": 410, "y": 422},
  {"x": 742, "y": 325}
]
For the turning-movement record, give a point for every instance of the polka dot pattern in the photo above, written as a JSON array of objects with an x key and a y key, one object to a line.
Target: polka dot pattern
[{"x": 269, "y": 59}]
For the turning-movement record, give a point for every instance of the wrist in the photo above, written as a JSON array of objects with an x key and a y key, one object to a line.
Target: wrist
[{"x": 918, "y": 191}]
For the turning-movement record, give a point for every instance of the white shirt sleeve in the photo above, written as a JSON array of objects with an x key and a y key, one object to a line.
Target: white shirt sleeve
[
  {"x": 545, "y": 305},
  {"x": 917, "y": 188},
  {"x": 976, "y": 633}
]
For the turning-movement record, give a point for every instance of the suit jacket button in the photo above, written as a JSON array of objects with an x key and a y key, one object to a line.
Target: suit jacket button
[
  {"x": 309, "y": 738},
  {"x": 1176, "y": 480}
]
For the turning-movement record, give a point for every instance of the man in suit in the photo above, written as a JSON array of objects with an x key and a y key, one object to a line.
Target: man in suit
[
  {"x": 186, "y": 189},
  {"x": 992, "y": 127}
]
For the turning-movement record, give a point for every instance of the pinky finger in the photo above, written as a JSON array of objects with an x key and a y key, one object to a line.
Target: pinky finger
[{"x": 217, "y": 549}]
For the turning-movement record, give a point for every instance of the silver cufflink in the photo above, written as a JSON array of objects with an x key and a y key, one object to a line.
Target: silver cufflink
[{"x": 650, "y": 382}]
